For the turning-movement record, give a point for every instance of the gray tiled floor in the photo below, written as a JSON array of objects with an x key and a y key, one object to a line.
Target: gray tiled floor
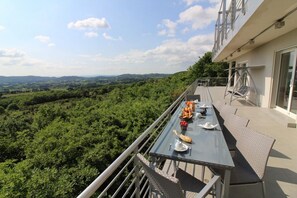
[{"x": 281, "y": 172}]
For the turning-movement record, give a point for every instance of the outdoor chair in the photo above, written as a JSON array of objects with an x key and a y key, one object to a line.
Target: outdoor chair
[
  {"x": 240, "y": 93},
  {"x": 232, "y": 129},
  {"x": 193, "y": 97},
  {"x": 250, "y": 160},
  {"x": 218, "y": 106},
  {"x": 225, "y": 111},
  {"x": 182, "y": 185}
]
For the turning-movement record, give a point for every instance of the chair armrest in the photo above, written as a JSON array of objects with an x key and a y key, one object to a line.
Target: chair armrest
[{"x": 215, "y": 180}]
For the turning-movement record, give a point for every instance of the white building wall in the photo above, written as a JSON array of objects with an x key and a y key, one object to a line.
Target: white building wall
[{"x": 265, "y": 55}]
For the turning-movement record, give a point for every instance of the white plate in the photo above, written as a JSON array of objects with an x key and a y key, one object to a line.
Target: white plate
[
  {"x": 182, "y": 148},
  {"x": 203, "y": 107},
  {"x": 208, "y": 127}
]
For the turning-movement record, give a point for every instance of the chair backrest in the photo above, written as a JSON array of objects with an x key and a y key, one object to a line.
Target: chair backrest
[
  {"x": 226, "y": 110},
  {"x": 255, "y": 147},
  {"x": 193, "y": 97},
  {"x": 167, "y": 185},
  {"x": 237, "y": 120},
  {"x": 234, "y": 124},
  {"x": 218, "y": 105},
  {"x": 243, "y": 90}
]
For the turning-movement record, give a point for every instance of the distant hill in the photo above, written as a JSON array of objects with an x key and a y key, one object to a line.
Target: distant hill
[{"x": 36, "y": 79}]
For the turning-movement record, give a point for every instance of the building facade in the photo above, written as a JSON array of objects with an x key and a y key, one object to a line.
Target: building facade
[{"x": 260, "y": 37}]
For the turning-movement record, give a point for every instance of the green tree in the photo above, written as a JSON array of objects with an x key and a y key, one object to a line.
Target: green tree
[
  {"x": 2, "y": 110},
  {"x": 206, "y": 68}
]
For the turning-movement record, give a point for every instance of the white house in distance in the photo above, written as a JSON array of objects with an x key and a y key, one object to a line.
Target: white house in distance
[{"x": 260, "y": 37}]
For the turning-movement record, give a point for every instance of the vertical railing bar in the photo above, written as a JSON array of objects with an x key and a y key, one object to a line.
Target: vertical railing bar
[
  {"x": 128, "y": 189},
  {"x": 136, "y": 174},
  {"x": 243, "y": 7},
  {"x": 146, "y": 192},
  {"x": 124, "y": 182},
  {"x": 114, "y": 179},
  {"x": 132, "y": 195},
  {"x": 144, "y": 185},
  {"x": 117, "y": 162}
]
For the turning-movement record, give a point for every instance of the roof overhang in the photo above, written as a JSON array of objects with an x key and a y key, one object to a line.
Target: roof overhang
[{"x": 261, "y": 27}]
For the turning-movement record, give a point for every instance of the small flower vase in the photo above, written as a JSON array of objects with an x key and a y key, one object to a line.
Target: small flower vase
[
  {"x": 203, "y": 112},
  {"x": 184, "y": 128}
]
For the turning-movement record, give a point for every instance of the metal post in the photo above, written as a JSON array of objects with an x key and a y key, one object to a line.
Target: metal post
[
  {"x": 224, "y": 28},
  {"x": 220, "y": 27},
  {"x": 215, "y": 39},
  {"x": 243, "y": 9},
  {"x": 137, "y": 174},
  {"x": 233, "y": 13},
  {"x": 229, "y": 73}
]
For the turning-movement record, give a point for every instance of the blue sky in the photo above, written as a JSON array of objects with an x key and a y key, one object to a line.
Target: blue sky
[{"x": 106, "y": 37}]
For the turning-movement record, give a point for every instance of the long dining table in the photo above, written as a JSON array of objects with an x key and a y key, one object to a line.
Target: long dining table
[{"x": 208, "y": 147}]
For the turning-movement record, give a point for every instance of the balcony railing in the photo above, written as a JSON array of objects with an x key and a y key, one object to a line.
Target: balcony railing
[
  {"x": 226, "y": 20},
  {"x": 122, "y": 178}
]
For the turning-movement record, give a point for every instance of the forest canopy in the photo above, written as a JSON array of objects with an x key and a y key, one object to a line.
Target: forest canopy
[{"x": 59, "y": 137}]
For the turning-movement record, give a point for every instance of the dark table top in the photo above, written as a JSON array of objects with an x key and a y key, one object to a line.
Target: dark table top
[{"x": 208, "y": 146}]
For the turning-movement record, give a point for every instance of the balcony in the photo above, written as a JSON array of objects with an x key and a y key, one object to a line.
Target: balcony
[
  {"x": 243, "y": 25},
  {"x": 123, "y": 179}
]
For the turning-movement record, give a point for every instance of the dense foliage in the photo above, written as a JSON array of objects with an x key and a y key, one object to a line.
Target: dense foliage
[
  {"x": 55, "y": 143},
  {"x": 204, "y": 67}
]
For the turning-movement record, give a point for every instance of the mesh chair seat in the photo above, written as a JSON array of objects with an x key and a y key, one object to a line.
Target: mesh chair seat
[
  {"x": 242, "y": 173},
  {"x": 193, "y": 97},
  {"x": 229, "y": 138},
  {"x": 191, "y": 185},
  {"x": 251, "y": 158},
  {"x": 182, "y": 185}
]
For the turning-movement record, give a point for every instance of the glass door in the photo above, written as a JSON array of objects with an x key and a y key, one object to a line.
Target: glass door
[{"x": 287, "y": 87}]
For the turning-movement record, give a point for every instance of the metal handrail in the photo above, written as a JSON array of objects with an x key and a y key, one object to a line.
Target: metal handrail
[
  {"x": 105, "y": 175},
  {"x": 226, "y": 20}
]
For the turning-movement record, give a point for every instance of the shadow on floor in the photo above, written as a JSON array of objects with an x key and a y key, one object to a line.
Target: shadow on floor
[
  {"x": 275, "y": 175},
  {"x": 275, "y": 153}
]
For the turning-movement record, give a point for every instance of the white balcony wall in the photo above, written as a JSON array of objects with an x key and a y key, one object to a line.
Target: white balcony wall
[{"x": 265, "y": 55}]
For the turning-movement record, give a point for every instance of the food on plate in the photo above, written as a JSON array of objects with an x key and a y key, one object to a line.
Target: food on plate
[
  {"x": 187, "y": 113},
  {"x": 183, "y": 137},
  {"x": 191, "y": 105}
]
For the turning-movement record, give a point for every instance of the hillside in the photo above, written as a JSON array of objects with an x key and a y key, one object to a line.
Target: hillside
[
  {"x": 54, "y": 143},
  {"x": 34, "y": 79}
]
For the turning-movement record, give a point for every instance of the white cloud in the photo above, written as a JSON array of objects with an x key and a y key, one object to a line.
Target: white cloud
[
  {"x": 198, "y": 16},
  {"x": 45, "y": 40},
  {"x": 190, "y": 2},
  {"x": 2, "y": 28},
  {"x": 108, "y": 37},
  {"x": 171, "y": 56},
  {"x": 11, "y": 53},
  {"x": 169, "y": 28},
  {"x": 42, "y": 38},
  {"x": 185, "y": 30},
  {"x": 51, "y": 45},
  {"x": 16, "y": 58},
  {"x": 91, "y": 34},
  {"x": 90, "y": 23}
]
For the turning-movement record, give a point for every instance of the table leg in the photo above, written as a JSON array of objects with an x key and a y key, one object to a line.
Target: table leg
[
  {"x": 175, "y": 167},
  {"x": 226, "y": 185},
  {"x": 202, "y": 172}
]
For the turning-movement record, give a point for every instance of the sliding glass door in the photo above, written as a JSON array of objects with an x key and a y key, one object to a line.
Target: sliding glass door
[{"x": 287, "y": 86}]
